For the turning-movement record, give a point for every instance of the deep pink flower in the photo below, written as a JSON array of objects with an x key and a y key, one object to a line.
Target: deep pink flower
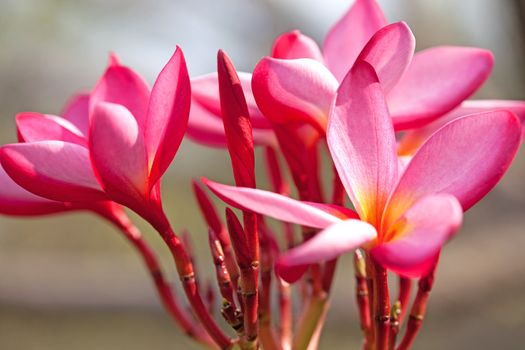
[
  {"x": 132, "y": 138},
  {"x": 420, "y": 87},
  {"x": 33, "y": 127},
  {"x": 406, "y": 215}
]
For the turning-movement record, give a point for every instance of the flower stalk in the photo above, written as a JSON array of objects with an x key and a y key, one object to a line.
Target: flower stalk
[
  {"x": 418, "y": 311},
  {"x": 363, "y": 299},
  {"x": 381, "y": 306}
]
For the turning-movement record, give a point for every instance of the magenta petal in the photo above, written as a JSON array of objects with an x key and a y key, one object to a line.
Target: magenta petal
[
  {"x": 413, "y": 139},
  {"x": 390, "y": 52},
  {"x": 14, "y": 200},
  {"x": 336, "y": 210},
  {"x": 118, "y": 153},
  {"x": 33, "y": 127},
  {"x": 205, "y": 93},
  {"x": 77, "y": 112},
  {"x": 294, "y": 91},
  {"x": 348, "y": 36},
  {"x": 208, "y": 129},
  {"x": 465, "y": 158},
  {"x": 437, "y": 80},
  {"x": 122, "y": 85},
  {"x": 168, "y": 114},
  {"x": 420, "y": 234},
  {"x": 205, "y": 127},
  {"x": 273, "y": 205},
  {"x": 337, "y": 239},
  {"x": 52, "y": 169},
  {"x": 294, "y": 44},
  {"x": 362, "y": 142}
]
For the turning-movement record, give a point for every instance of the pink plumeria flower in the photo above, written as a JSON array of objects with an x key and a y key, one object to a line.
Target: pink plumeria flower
[
  {"x": 119, "y": 154},
  {"x": 419, "y": 88},
  {"x": 405, "y": 216},
  {"x": 448, "y": 74},
  {"x": 34, "y": 127}
]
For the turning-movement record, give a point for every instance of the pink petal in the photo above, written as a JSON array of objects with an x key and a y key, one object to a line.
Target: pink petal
[
  {"x": 122, "y": 85},
  {"x": 294, "y": 91},
  {"x": 348, "y": 36},
  {"x": 390, "y": 51},
  {"x": 438, "y": 80},
  {"x": 52, "y": 169},
  {"x": 40, "y": 127},
  {"x": 77, "y": 112},
  {"x": 207, "y": 129},
  {"x": 168, "y": 114},
  {"x": 273, "y": 205},
  {"x": 465, "y": 158},
  {"x": 337, "y": 239},
  {"x": 362, "y": 142},
  {"x": 419, "y": 235},
  {"x": 294, "y": 44},
  {"x": 336, "y": 210},
  {"x": 14, "y": 200},
  {"x": 205, "y": 92},
  {"x": 118, "y": 153},
  {"x": 413, "y": 139}
]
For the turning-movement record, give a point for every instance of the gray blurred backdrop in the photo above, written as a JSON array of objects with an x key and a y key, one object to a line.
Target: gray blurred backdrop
[{"x": 71, "y": 282}]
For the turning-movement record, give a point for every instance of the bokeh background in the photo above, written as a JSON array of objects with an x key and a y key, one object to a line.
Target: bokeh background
[{"x": 71, "y": 282}]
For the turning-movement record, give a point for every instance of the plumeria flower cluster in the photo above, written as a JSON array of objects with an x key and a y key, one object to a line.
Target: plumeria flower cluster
[{"x": 407, "y": 149}]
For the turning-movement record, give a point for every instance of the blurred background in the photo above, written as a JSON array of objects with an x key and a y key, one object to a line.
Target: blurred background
[{"x": 71, "y": 282}]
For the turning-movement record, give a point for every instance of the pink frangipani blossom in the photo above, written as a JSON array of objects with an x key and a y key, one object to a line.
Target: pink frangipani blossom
[
  {"x": 420, "y": 88},
  {"x": 114, "y": 144},
  {"x": 405, "y": 216},
  {"x": 36, "y": 127}
]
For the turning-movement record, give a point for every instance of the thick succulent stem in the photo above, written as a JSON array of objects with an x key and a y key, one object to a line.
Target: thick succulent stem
[
  {"x": 419, "y": 308},
  {"x": 405, "y": 289},
  {"x": 163, "y": 287},
  {"x": 187, "y": 276},
  {"x": 363, "y": 299},
  {"x": 381, "y": 306}
]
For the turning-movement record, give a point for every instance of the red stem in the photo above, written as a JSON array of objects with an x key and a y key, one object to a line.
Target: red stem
[
  {"x": 267, "y": 336},
  {"x": 394, "y": 325},
  {"x": 215, "y": 223},
  {"x": 419, "y": 308},
  {"x": 251, "y": 278},
  {"x": 249, "y": 269},
  {"x": 187, "y": 276},
  {"x": 363, "y": 300},
  {"x": 405, "y": 289},
  {"x": 164, "y": 289},
  {"x": 381, "y": 306},
  {"x": 221, "y": 273}
]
